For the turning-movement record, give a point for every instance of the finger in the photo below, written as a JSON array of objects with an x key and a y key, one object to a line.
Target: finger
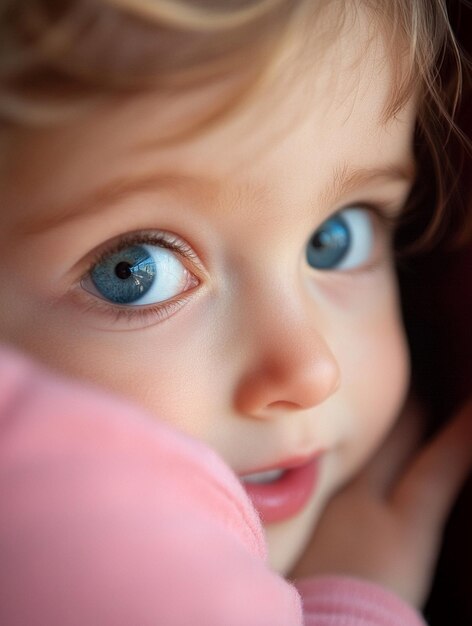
[
  {"x": 429, "y": 487},
  {"x": 388, "y": 462}
]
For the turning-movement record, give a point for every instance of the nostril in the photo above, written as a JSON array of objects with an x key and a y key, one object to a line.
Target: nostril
[{"x": 284, "y": 406}]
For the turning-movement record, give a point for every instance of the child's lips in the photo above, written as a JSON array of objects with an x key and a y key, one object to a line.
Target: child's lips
[{"x": 281, "y": 492}]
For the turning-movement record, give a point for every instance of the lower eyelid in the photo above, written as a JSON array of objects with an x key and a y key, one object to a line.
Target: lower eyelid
[{"x": 133, "y": 318}]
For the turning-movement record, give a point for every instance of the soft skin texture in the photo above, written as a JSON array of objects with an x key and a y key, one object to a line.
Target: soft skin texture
[{"x": 266, "y": 359}]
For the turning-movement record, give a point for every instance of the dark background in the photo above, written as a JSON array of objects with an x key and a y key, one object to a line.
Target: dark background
[{"x": 437, "y": 293}]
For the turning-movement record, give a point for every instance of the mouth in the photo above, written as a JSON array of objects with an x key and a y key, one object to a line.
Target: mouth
[{"x": 281, "y": 492}]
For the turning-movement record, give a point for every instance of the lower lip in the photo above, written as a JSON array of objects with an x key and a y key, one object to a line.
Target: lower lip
[{"x": 287, "y": 496}]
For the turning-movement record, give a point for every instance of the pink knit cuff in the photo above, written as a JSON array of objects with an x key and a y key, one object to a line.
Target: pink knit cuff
[{"x": 338, "y": 599}]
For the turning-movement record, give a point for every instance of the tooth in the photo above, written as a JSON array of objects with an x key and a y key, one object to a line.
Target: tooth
[{"x": 263, "y": 477}]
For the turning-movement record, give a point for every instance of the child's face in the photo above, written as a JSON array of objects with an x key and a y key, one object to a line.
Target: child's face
[{"x": 274, "y": 346}]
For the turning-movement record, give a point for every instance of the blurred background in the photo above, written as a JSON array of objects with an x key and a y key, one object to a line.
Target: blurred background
[{"x": 437, "y": 291}]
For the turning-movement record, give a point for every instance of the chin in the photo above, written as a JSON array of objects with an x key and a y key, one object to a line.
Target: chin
[{"x": 287, "y": 540}]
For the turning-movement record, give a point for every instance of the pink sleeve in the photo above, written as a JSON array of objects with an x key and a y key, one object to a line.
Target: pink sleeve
[
  {"x": 109, "y": 518},
  {"x": 346, "y": 601}
]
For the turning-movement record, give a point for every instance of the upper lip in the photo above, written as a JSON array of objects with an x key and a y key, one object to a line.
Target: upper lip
[{"x": 287, "y": 463}]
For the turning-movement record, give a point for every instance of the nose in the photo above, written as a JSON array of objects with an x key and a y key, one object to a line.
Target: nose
[{"x": 293, "y": 369}]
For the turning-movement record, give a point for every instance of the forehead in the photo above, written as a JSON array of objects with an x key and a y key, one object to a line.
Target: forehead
[{"x": 321, "y": 106}]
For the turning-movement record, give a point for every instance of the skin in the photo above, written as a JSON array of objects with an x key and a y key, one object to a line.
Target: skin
[{"x": 266, "y": 359}]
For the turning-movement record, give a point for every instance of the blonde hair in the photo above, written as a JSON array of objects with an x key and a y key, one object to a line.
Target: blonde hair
[{"x": 58, "y": 56}]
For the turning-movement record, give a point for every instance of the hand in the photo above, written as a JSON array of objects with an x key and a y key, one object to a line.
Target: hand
[{"x": 386, "y": 525}]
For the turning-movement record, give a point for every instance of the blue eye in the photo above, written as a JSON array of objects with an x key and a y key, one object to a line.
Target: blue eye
[
  {"x": 344, "y": 241},
  {"x": 139, "y": 274}
]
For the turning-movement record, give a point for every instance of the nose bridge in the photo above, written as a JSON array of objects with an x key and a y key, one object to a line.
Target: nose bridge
[{"x": 291, "y": 362}]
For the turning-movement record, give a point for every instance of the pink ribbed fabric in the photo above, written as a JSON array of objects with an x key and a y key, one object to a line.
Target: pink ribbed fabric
[{"x": 327, "y": 601}]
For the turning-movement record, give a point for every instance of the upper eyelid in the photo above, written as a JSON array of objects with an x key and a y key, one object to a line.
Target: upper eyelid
[
  {"x": 386, "y": 218},
  {"x": 387, "y": 214},
  {"x": 163, "y": 239}
]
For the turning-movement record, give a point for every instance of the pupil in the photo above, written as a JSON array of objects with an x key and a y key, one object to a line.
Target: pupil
[
  {"x": 123, "y": 270},
  {"x": 321, "y": 240}
]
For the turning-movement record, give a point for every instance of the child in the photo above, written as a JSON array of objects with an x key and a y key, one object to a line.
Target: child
[{"x": 198, "y": 212}]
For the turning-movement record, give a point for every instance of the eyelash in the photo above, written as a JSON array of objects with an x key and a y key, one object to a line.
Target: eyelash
[
  {"x": 150, "y": 312},
  {"x": 164, "y": 240}
]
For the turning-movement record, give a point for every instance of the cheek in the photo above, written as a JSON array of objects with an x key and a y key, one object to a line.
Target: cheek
[
  {"x": 176, "y": 370},
  {"x": 176, "y": 385},
  {"x": 376, "y": 381},
  {"x": 168, "y": 369}
]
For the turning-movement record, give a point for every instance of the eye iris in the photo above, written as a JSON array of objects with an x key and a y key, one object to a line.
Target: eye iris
[
  {"x": 125, "y": 276},
  {"x": 329, "y": 244}
]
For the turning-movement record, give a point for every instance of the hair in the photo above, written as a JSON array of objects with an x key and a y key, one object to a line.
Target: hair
[{"x": 60, "y": 57}]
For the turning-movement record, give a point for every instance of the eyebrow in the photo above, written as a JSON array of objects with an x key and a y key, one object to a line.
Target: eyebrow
[
  {"x": 346, "y": 179},
  {"x": 343, "y": 180},
  {"x": 119, "y": 190}
]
